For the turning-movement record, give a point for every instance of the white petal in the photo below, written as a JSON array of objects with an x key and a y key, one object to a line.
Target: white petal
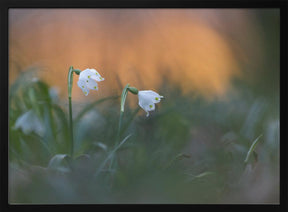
[
  {"x": 86, "y": 74},
  {"x": 29, "y": 122},
  {"x": 23, "y": 119},
  {"x": 90, "y": 73},
  {"x": 147, "y": 100},
  {"x": 97, "y": 77},
  {"x": 146, "y": 104},
  {"x": 83, "y": 85},
  {"x": 149, "y": 107},
  {"x": 85, "y": 91},
  {"x": 91, "y": 84},
  {"x": 149, "y": 93},
  {"x": 152, "y": 95},
  {"x": 39, "y": 129},
  {"x": 27, "y": 128},
  {"x": 37, "y": 125},
  {"x": 94, "y": 71},
  {"x": 157, "y": 99}
]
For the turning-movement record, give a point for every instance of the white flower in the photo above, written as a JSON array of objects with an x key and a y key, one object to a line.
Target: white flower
[
  {"x": 87, "y": 80},
  {"x": 29, "y": 122},
  {"x": 147, "y": 100}
]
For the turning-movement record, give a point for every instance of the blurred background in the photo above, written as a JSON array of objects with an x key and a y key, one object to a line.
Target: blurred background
[{"x": 218, "y": 70}]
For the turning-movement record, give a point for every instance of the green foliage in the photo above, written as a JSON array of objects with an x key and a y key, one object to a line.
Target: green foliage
[{"x": 187, "y": 151}]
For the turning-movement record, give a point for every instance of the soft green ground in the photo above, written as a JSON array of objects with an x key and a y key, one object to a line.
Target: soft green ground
[{"x": 188, "y": 151}]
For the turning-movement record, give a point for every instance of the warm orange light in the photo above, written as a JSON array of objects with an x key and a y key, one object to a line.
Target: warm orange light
[{"x": 139, "y": 47}]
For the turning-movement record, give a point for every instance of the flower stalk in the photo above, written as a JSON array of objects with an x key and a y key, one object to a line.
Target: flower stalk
[
  {"x": 70, "y": 84},
  {"x": 87, "y": 80},
  {"x": 147, "y": 100}
]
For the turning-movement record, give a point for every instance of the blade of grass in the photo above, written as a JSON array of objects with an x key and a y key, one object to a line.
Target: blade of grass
[
  {"x": 62, "y": 133},
  {"x": 111, "y": 154},
  {"x": 251, "y": 149},
  {"x": 176, "y": 158},
  {"x": 203, "y": 174},
  {"x": 22, "y": 81},
  {"x": 60, "y": 114},
  {"x": 129, "y": 120},
  {"x": 44, "y": 142}
]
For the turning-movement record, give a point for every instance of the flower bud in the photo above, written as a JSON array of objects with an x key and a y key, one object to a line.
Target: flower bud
[
  {"x": 133, "y": 90},
  {"x": 77, "y": 71}
]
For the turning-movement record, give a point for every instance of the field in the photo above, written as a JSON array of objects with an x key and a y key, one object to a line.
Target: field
[{"x": 212, "y": 139}]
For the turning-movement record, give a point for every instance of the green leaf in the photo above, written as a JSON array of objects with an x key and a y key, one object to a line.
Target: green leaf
[
  {"x": 123, "y": 97},
  {"x": 60, "y": 162}
]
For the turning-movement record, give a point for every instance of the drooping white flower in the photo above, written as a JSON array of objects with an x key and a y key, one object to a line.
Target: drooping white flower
[
  {"x": 87, "y": 80},
  {"x": 148, "y": 99},
  {"x": 29, "y": 122}
]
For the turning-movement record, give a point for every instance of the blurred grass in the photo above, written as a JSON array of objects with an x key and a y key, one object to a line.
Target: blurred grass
[{"x": 189, "y": 150}]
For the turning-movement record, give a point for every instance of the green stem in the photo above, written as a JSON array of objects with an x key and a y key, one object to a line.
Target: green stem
[
  {"x": 70, "y": 84},
  {"x": 71, "y": 128},
  {"x": 119, "y": 126}
]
